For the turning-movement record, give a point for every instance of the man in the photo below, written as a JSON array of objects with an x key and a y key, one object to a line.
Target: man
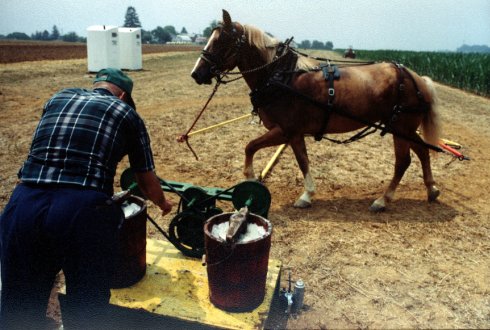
[{"x": 60, "y": 215}]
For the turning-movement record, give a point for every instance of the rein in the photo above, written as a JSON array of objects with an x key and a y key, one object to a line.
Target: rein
[
  {"x": 277, "y": 58},
  {"x": 185, "y": 137},
  {"x": 241, "y": 73},
  {"x": 322, "y": 59}
]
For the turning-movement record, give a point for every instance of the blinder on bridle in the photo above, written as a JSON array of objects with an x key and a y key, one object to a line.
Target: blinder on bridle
[{"x": 232, "y": 47}]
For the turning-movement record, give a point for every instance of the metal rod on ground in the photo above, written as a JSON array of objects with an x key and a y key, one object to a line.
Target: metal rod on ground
[
  {"x": 218, "y": 125},
  {"x": 272, "y": 161},
  {"x": 454, "y": 152}
]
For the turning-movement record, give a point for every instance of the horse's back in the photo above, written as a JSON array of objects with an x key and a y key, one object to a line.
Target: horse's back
[
  {"x": 373, "y": 82},
  {"x": 365, "y": 83},
  {"x": 381, "y": 85}
]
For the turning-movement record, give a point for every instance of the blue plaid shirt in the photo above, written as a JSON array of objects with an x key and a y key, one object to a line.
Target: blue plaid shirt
[{"x": 82, "y": 136}]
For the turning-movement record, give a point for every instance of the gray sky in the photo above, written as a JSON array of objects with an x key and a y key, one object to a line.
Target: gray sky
[{"x": 365, "y": 24}]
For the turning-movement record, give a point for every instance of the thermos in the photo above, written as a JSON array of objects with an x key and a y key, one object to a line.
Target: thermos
[{"x": 299, "y": 295}]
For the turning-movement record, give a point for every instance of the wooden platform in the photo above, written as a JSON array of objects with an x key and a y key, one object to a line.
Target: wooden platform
[{"x": 176, "y": 286}]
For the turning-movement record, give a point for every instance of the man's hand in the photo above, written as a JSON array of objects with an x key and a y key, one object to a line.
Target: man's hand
[
  {"x": 149, "y": 185},
  {"x": 166, "y": 207}
]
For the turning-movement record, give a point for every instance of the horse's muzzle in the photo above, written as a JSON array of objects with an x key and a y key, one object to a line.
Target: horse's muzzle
[{"x": 201, "y": 78}]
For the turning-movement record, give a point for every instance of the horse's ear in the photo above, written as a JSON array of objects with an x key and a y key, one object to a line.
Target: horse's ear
[{"x": 226, "y": 20}]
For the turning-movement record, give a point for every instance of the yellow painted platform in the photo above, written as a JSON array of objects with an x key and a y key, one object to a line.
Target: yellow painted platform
[{"x": 177, "y": 286}]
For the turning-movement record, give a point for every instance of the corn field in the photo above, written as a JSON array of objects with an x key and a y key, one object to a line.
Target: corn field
[{"x": 468, "y": 71}]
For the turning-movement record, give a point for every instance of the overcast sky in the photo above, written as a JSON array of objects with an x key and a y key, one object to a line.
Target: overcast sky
[{"x": 365, "y": 24}]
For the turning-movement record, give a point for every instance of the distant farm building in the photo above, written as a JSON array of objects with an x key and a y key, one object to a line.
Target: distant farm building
[
  {"x": 182, "y": 39},
  {"x": 201, "y": 40}
]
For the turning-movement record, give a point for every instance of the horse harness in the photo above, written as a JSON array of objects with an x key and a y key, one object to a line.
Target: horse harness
[
  {"x": 398, "y": 109},
  {"x": 330, "y": 73},
  {"x": 279, "y": 79}
]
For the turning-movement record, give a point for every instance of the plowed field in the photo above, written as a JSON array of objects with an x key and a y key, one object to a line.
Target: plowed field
[{"x": 21, "y": 51}]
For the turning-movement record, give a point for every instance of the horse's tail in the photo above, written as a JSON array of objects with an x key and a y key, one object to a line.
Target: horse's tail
[{"x": 431, "y": 126}]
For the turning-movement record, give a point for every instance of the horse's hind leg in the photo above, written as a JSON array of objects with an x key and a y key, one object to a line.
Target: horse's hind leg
[
  {"x": 402, "y": 154},
  {"x": 299, "y": 147},
  {"x": 273, "y": 137},
  {"x": 424, "y": 156}
]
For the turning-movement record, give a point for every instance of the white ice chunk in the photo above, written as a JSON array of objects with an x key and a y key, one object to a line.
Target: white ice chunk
[
  {"x": 130, "y": 209},
  {"x": 253, "y": 232}
]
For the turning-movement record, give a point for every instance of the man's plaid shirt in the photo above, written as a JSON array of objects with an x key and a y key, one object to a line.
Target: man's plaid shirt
[{"x": 82, "y": 136}]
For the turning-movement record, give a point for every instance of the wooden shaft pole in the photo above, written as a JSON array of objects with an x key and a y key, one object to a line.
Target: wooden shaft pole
[
  {"x": 272, "y": 161},
  {"x": 218, "y": 125}
]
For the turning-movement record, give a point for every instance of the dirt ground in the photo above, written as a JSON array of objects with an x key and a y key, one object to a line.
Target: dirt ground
[{"x": 417, "y": 265}]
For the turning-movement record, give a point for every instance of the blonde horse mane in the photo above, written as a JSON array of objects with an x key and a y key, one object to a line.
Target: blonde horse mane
[
  {"x": 262, "y": 41},
  {"x": 267, "y": 46}
]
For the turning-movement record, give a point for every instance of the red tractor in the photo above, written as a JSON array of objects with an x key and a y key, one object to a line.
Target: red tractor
[{"x": 349, "y": 53}]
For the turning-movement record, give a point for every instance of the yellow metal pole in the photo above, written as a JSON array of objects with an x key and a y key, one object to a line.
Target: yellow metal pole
[
  {"x": 272, "y": 161},
  {"x": 218, "y": 125},
  {"x": 451, "y": 143}
]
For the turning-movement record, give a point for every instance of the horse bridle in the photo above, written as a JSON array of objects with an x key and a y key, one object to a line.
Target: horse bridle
[{"x": 217, "y": 62}]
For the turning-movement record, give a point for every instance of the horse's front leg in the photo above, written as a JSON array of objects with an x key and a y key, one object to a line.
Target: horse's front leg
[
  {"x": 299, "y": 147},
  {"x": 273, "y": 137}
]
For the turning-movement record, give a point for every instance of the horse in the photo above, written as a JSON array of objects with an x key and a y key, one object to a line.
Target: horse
[{"x": 309, "y": 104}]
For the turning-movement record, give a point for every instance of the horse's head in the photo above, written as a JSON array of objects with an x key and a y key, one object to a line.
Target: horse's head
[{"x": 221, "y": 53}]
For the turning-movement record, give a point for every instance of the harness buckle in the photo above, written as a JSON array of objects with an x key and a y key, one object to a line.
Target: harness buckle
[{"x": 331, "y": 92}]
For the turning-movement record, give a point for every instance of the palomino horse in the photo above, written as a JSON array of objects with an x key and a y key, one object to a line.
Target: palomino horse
[{"x": 313, "y": 103}]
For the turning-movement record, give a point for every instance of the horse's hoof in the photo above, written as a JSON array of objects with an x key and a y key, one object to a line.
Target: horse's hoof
[
  {"x": 377, "y": 207},
  {"x": 302, "y": 204},
  {"x": 433, "y": 194}
]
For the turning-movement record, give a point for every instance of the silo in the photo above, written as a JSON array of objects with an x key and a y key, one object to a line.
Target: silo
[
  {"x": 102, "y": 47},
  {"x": 130, "y": 53}
]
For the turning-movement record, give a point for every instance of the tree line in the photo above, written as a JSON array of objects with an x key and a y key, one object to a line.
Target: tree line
[
  {"x": 473, "y": 49},
  {"x": 45, "y": 36},
  {"x": 315, "y": 44},
  {"x": 159, "y": 35}
]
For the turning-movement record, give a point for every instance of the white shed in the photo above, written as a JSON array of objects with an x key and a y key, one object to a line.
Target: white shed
[
  {"x": 102, "y": 47},
  {"x": 130, "y": 52}
]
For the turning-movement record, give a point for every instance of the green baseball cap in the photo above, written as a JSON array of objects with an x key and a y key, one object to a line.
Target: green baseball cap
[{"x": 118, "y": 78}]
